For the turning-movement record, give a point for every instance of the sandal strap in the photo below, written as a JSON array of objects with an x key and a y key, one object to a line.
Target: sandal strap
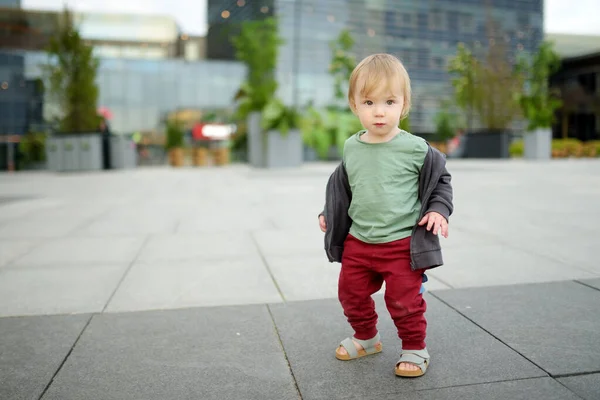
[
  {"x": 367, "y": 345},
  {"x": 350, "y": 347},
  {"x": 419, "y": 358}
]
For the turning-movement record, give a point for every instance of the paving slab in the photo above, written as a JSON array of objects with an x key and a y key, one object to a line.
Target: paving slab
[
  {"x": 462, "y": 353},
  {"x": 555, "y": 325},
  {"x": 586, "y": 386},
  {"x": 595, "y": 283},
  {"x": 196, "y": 247},
  {"x": 31, "y": 351},
  {"x": 501, "y": 264},
  {"x": 526, "y": 389},
  {"x": 57, "y": 290},
  {"x": 208, "y": 353},
  {"x": 203, "y": 283},
  {"x": 82, "y": 251},
  {"x": 11, "y": 249}
]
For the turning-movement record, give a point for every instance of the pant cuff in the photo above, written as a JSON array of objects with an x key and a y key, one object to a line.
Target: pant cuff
[
  {"x": 413, "y": 345},
  {"x": 365, "y": 335}
]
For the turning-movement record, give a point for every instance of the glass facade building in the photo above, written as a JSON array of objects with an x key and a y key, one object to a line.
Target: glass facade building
[
  {"x": 140, "y": 90},
  {"x": 423, "y": 34},
  {"x": 139, "y": 93}
]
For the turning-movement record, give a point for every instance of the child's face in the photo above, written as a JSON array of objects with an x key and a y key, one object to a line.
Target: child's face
[{"x": 379, "y": 111}]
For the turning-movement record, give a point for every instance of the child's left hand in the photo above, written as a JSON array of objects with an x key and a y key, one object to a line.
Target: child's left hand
[{"x": 437, "y": 222}]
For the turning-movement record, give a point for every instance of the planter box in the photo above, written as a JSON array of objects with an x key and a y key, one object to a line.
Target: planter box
[
  {"x": 538, "y": 144},
  {"x": 68, "y": 152},
  {"x": 123, "y": 153},
  {"x": 487, "y": 144},
  {"x": 271, "y": 149}
]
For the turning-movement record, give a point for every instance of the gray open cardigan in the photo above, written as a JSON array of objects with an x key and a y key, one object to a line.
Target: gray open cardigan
[{"x": 435, "y": 193}]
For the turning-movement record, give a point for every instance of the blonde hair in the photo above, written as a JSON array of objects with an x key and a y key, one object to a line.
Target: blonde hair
[{"x": 378, "y": 69}]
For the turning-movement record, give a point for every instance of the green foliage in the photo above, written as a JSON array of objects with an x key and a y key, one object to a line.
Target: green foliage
[
  {"x": 322, "y": 130},
  {"x": 487, "y": 86},
  {"x": 174, "y": 135},
  {"x": 257, "y": 47},
  {"x": 72, "y": 77},
  {"x": 516, "y": 148},
  {"x": 463, "y": 66},
  {"x": 276, "y": 116},
  {"x": 539, "y": 103},
  {"x": 33, "y": 147},
  {"x": 342, "y": 62},
  {"x": 445, "y": 126},
  {"x": 405, "y": 124}
]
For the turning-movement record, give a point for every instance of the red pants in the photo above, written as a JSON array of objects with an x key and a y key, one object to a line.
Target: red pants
[{"x": 364, "y": 269}]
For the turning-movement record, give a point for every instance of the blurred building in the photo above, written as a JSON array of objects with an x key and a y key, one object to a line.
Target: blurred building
[
  {"x": 10, "y": 3},
  {"x": 423, "y": 34},
  {"x": 578, "y": 82},
  {"x": 148, "y": 69},
  {"x": 224, "y": 22}
]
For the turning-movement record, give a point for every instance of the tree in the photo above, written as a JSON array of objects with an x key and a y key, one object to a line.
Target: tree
[
  {"x": 342, "y": 62},
  {"x": 257, "y": 47},
  {"x": 539, "y": 102},
  {"x": 72, "y": 76},
  {"x": 464, "y": 67},
  {"x": 488, "y": 85}
]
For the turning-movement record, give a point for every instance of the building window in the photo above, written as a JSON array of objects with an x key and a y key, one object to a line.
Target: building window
[
  {"x": 466, "y": 23},
  {"x": 437, "y": 21}
]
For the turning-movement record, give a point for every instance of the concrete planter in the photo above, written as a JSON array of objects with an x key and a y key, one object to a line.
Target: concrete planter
[
  {"x": 538, "y": 144},
  {"x": 70, "y": 153},
  {"x": 123, "y": 153},
  {"x": 487, "y": 144},
  {"x": 272, "y": 149}
]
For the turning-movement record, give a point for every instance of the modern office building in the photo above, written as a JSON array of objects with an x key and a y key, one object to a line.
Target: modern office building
[
  {"x": 423, "y": 34},
  {"x": 148, "y": 68},
  {"x": 10, "y": 3}
]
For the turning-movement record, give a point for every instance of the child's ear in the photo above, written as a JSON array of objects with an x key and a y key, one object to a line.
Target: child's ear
[{"x": 352, "y": 106}]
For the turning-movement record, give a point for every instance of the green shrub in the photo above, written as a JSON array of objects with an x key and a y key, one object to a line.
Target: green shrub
[{"x": 516, "y": 148}]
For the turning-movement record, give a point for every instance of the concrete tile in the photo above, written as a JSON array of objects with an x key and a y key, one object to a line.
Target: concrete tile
[
  {"x": 32, "y": 349},
  {"x": 528, "y": 389},
  {"x": 595, "y": 283},
  {"x": 11, "y": 249},
  {"x": 202, "y": 246},
  {"x": 24, "y": 208},
  {"x": 201, "y": 283},
  {"x": 57, "y": 290},
  {"x": 555, "y": 325},
  {"x": 290, "y": 242},
  {"x": 305, "y": 277},
  {"x": 31, "y": 228},
  {"x": 82, "y": 251},
  {"x": 310, "y": 278},
  {"x": 462, "y": 354},
  {"x": 586, "y": 386},
  {"x": 225, "y": 219},
  {"x": 208, "y": 353},
  {"x": 132, "y": 225},
  {"x": 491, "y": 265}
]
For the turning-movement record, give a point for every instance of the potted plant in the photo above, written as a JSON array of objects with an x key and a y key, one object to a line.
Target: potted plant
[
  {"x": 71, "y": 72},
  {"x": 257, "y": 46},
  {"x": 281, "y": 141},
  {"x": 174, "y": 142},
  {"x": 539, "y": 102},
  {"x": 484, "y": 89}
]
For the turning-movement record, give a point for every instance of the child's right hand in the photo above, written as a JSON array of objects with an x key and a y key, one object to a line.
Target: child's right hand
[{"x": 322, "y": 223}]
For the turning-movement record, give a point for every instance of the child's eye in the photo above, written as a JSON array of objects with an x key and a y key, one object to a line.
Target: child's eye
[
  {"x": 369, "y": 102},
  {"x": 390, "y": 102}
]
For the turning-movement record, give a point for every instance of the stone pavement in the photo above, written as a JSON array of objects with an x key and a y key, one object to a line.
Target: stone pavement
[{"x": 212, "y": 283}]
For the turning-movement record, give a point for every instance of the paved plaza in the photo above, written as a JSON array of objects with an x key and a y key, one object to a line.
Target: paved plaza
[{"x": 212, "y": 283}]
